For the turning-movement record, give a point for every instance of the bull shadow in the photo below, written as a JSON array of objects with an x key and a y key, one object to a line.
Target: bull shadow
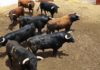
[
  {"x": 2, "y": 54},
  {"x": 14, "y": 67},
  {"x": 47, "y": 54}
]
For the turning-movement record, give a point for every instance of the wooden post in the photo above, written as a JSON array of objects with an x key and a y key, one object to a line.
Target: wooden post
[{"x": 97, "y": 2}]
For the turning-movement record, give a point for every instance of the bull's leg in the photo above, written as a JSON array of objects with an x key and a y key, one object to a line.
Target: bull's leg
[
  {"x": 19, "y": 4},
  {"x": 10, "y": 59},
  {"x": 32, "y": 11},
  {"x": 41, "y": 11},
  {"x": 48, "y": 31},
  {"x": 58, "y": 30},
  {"x": 52, "y": 15},
  {"x": 55, "y": 52},
  {"x": 29, "y": 12},
  {"x": 11, "y": 26},
  {"x": 67, "y": 29},
  {"x": 45, "y": 12},
  {"x": 20, "y": 25},
  {"x": 53, "y": 31},
  {"x": 39, "y": 31},
  {"x": 43, "y": 49}
]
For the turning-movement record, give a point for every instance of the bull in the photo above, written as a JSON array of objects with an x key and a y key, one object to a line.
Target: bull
[
  {"x": 64, "y": 22},
  {"x": 53, "y": 41},
  {"x": 13, "y": 15},
  {"x": 18, "y": 35},
  {"x": 24, "y": 58},
  {"x": 48, "y": 7},
  {"x": 27, "y": 4},
  {"x": 38, "y": 21}
]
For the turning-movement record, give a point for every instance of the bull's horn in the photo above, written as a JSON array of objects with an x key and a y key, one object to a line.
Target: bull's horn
[
  {"x": 3, "y": 40},
  {"x": 66, "y": 37},
  {"x": 25, "y": 60},
  {"x": 39, "y": 57}
]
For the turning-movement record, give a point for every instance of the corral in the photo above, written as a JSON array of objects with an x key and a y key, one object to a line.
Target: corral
[{"x": 84, "y": 54}]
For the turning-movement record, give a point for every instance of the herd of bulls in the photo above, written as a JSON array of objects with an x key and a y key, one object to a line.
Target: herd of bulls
[{"x": 30, "y": 33}]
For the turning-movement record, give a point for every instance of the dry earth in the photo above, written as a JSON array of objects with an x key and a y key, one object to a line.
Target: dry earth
[{"x": 84, "y": 54}]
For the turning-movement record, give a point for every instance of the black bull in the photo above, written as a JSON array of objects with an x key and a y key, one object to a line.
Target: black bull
[
  {"x": 18, "y": 35},
  {"x": 24, "y": 58},
  {"x": 48, "y": 7},
  {"x": 53, "y": 41}
]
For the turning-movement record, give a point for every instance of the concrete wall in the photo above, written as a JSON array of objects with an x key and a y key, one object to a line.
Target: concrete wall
[{"x": 89, "y": 1}]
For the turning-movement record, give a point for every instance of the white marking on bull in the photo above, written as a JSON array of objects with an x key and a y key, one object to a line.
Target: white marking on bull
[
  {"x": 52, "y": 7},
  {"x": 25, "y": 60}
]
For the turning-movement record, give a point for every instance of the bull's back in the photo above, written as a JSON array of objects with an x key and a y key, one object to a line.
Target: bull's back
[
  {"x": 18, "y": 11},
  {"x": 24, "y": 1},
  {"x": 45, "y": 41},
  {"x": 60, "y": 22},
  {"x": 22, "y": 34}
]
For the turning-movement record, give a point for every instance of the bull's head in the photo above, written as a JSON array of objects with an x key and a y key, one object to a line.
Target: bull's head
[
  {"x": 32, "y": 63},
  {"x": 55, "y": 8},
  {"x": 74, "y": 17},
  {"x": 69, "y": 38}
]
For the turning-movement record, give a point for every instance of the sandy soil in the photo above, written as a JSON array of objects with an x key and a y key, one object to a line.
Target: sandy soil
[{"x": 84, "y": 54}]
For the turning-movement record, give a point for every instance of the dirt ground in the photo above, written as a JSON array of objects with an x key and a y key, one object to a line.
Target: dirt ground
[{"x": 84, "y": 54}]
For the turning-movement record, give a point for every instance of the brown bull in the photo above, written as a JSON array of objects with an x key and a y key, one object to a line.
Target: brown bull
[
  {"x": 27, "y": 4},
  {"x": 62, "y": 22},
  {"x": 13, "y": 15}
]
